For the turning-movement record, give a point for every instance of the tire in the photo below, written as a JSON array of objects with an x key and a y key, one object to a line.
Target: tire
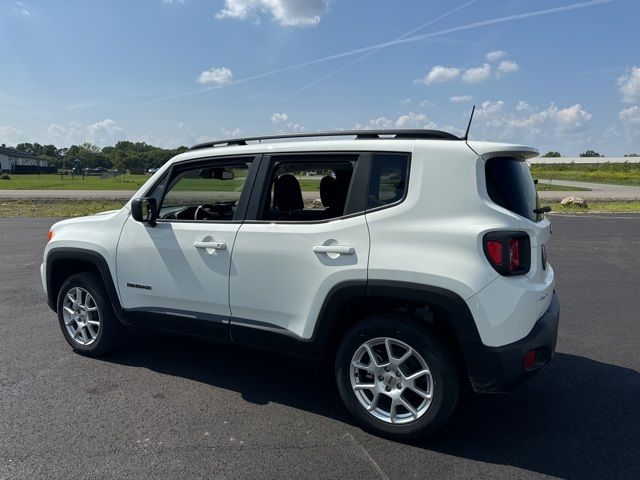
[
  {"x": 405, "y": 337},
  {"x": 93, "y": 306}
]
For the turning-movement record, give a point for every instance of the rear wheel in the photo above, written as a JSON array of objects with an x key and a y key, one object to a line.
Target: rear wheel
[
  {"x": 396, "y": 377},
  {"x": 86, "y": 317}
]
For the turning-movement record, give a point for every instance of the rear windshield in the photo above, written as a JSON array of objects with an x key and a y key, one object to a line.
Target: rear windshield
[{"x": 510, "y": 185}]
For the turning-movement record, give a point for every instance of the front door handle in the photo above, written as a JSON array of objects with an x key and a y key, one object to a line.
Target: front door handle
[
  {"x": 339, "y": 249},
  {"x": 211, "y": 245}
]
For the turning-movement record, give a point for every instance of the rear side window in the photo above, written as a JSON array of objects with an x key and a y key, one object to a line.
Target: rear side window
[
  {"x": 510, "y": 185},
  {"x": 388, "y": 180}
]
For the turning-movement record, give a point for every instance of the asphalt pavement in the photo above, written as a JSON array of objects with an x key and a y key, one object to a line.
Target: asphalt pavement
[{"x": 167, "y": 407}]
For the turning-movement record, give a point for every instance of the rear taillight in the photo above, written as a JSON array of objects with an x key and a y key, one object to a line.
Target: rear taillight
[{"x": 509, "y": 253}]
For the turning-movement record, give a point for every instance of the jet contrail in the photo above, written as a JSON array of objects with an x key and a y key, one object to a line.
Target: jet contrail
[
  {"x": 359, "y": 59},
  {"x": 415, "y": 38}
]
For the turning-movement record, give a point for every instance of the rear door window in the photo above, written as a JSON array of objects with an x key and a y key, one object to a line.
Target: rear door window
[{"x": 510, "y": 185}]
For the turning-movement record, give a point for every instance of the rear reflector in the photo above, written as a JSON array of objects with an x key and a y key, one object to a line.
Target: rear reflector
[
  {"x": 514, "y": 254},
  {"x": 530, "y": 360}
]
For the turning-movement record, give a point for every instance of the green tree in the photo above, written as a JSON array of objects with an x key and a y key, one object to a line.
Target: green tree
[
  {"x": 552, "y": 154},
  {"x": 591, "y": 153},
  {"x": 632, "y": 155}
]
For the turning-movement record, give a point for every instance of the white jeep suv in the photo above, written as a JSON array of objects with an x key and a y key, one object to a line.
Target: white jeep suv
[{"x": 411, "y": 259}]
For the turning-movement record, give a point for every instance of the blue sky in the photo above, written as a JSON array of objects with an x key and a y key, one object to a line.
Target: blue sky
[{"x": 562, "y": 75}]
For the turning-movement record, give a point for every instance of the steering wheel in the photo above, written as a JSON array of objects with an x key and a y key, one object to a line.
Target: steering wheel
[{"x": 204, "y": 210}]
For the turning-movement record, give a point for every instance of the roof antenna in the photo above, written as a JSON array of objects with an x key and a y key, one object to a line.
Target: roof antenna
[{"x": 466, "y": 134}]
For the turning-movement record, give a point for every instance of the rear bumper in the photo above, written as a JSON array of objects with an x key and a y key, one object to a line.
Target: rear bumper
[{"x": 498, "y": 369}]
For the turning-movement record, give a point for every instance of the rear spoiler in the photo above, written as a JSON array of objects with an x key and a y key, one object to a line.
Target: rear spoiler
[{"x": 487, "y": 150}]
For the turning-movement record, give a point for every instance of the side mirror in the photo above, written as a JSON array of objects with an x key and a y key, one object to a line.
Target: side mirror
[{"x": 145, "y": 210}]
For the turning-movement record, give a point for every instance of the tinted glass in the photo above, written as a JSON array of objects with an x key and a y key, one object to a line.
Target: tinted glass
[
  {"x": 312, "y": 190},
  {"x": 510, "y": 185},
  {"x": 388, "y": 181}
]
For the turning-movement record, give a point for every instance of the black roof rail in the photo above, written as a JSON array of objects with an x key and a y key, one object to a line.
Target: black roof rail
[{"x": 411, "y": 134}]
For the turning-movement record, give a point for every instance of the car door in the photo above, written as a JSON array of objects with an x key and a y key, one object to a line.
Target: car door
[
  {"x": 297, "y": 243},
  {"x": 175, "y": 275}
]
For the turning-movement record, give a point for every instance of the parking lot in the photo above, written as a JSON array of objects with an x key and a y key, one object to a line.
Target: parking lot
[{"x": 179, "y": 408}]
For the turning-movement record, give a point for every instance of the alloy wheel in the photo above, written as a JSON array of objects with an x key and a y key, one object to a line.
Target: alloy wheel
[
  {"x": 391, "y": 380},
  {"x": 81, "y": 316}
]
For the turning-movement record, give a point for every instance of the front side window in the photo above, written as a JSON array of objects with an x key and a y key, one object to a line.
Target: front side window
[
  {"x": 388, "y": 180},
  {"x": 309, "y": 190},
  {"x": 205, "y": 193}
]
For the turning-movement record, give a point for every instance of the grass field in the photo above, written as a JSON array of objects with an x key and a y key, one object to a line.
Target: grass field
[
  {"x": 66, "y": 182},
  {"x": 124, "y": 182},
  {"x": 615, "y": 173},
  {"x": 77, "y": 208},
  {"x": 545, "y": 187},
  {"x": 133, "y": 182},
  {"x": 66, "y": 208},
  {"x": 599, "y": 207}
]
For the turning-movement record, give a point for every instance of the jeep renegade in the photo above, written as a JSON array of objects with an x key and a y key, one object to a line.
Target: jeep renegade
[{"x": 413, "y": 260}]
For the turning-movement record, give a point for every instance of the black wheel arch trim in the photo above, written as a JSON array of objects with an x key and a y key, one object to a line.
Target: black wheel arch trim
[{"x": 91, "y": 257}]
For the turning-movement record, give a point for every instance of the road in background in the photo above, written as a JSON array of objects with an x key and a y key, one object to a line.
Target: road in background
[
  {"x": 167, "y": 407},
  {"x": 598, "y": 191}
]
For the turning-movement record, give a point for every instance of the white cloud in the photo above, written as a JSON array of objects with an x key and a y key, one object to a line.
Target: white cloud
[
  {"x": 297, "y": 13},
  {"x": 522, "y": 106},
  {"x": 236, "y": 132},
  {"x": 293, "y": 127},
  {"x": 12, "y": 136},
  {"x": 630, "y": 119},
  {"x": 173, "y": 2},
  {"x": 405, "y": 101},
  {"x": 426, "y": 103},
  {"x": 102, "y": 133},
  {"x": 477, "y": 74},
  {"x": 495, "y": 55},
  {"x": 21, "y": 9},
  {"x": 439, "y": 74},
  {"x": 279, "y": 117},
  {"x": 216, "y": 76},
  {"x": 507, "y": 66},
  {"x": 460, "y": 98},
  {"x": 630, "y": 116},
  {"x": 629, "y": 86},
  {"x": 495, "y": 122}
]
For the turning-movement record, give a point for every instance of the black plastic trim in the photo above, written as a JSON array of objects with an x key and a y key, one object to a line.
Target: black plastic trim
[
  {"x": 411, "y": 134},
  {"x": 500, "y": 369},
  {"x": 61, "y": 254},
  {"x": 262, "y": 335},
  {"x": 215, "y": 327}
]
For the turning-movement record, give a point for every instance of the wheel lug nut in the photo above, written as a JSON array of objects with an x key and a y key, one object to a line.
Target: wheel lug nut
[
  {"x": 388, "y": 389},
  {"x": 386, "y": 369},
  {"x": 380, "y": 377},
  {"x": 397, "y": 374},
  {"x": 399, "y": 387}
]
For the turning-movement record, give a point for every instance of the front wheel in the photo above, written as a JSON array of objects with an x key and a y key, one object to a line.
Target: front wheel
[
  {"x": 396, "y": 377},
  {"x": 86, "y": 317}
]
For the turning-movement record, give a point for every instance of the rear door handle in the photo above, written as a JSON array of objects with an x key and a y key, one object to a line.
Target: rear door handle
[
  {"x": 340, "y": 249},
  {"x": 211, "y": 245}
]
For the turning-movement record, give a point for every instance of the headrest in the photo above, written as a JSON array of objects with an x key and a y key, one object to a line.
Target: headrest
[
  {"x": 287, "y": 195},
  {"x": 329, "y": 192}
]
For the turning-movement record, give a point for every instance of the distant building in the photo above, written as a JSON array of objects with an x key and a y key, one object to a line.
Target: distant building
[
  {"x": 14, "y": 161},
  {"x": 539, "y": 160}
]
